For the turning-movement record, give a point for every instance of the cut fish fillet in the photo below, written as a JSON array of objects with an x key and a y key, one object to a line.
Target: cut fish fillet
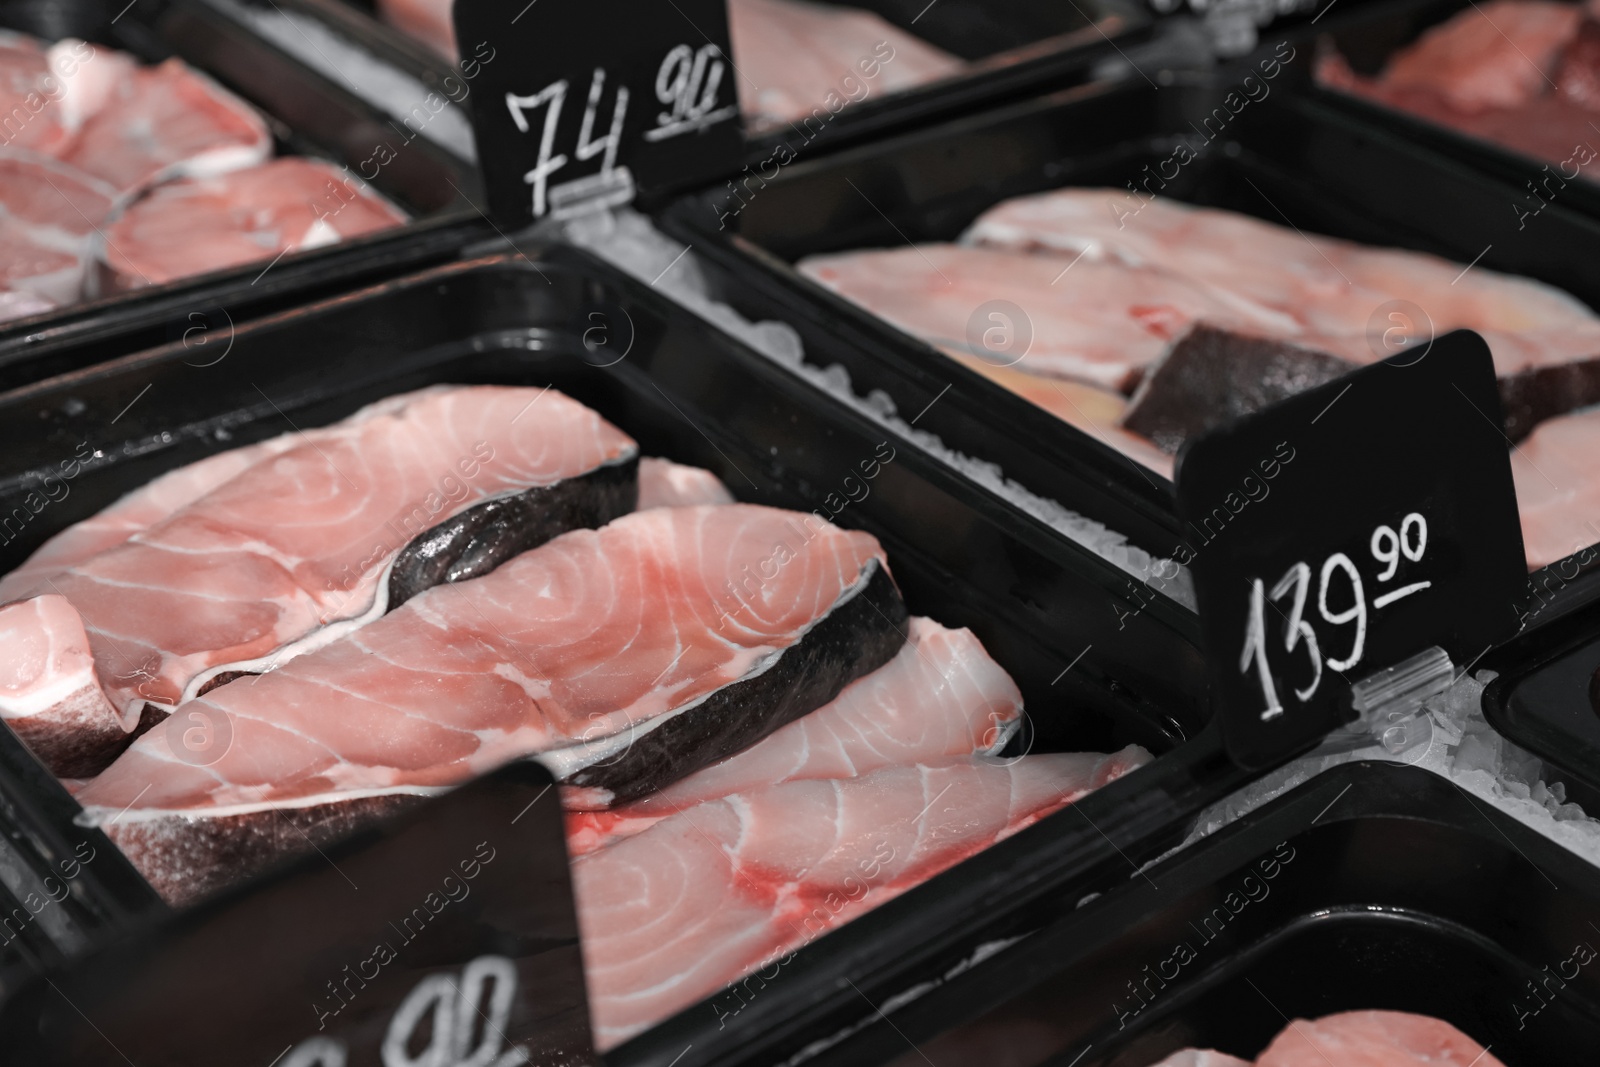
[
  {"x": 1316, "y": 292},
  {"x": 328, "y": 535},
  {"x": 206, "y": 224},
  {"x": 19, "y": 304},
  {"x": 792, "y": 57},
  {"x": 1096, "y": 321},
  {"x": 142, "y": 508},
  {"x": 1097, "y": 412},
  {"x": 426, "y": 20},
  {"x": 51, "y": 198},
  {"x": 665, "y": 484},
  {"x": 942, "y": 695},
  {"x": 626, "y": 658},
  {"x": 1375, "y": 1039},
  {"x": 51, "y": 696},
  {"x": 1201, "y": 1057},
  {"x": 662, "y": 483},
  {"x": 1499, "y": 55},
  {"x": 30, "y": 113},
  {"x": 1558, "y": 487},
  {"x": 695, "y": 902},
  {"x": 168, "y": 121}
]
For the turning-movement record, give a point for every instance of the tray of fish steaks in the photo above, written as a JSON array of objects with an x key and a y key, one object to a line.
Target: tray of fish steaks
[
  {"x": 169, "y": 173},
  {"x": 810, "y": 694}
]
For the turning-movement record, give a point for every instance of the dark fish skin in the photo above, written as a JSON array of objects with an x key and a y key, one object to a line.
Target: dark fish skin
[
  {"x": 855, "y": 639},
  {"x": 1210, "y": 377},
  {"x": 481, "y": 538},
  {"x": 1545, "y": 392},
  {"x": 186, "y": 859}
]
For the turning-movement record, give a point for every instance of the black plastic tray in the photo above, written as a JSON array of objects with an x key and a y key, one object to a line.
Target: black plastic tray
[
  {"x": 1545, "y": 698},
  {"x": 1047, "y": 610},
  {"x": 1287, "y": 156},
  {"x": 1018, "y": 47},
  {"x": 309, "y": 114},
  {"x": 1374, "y": 886}
]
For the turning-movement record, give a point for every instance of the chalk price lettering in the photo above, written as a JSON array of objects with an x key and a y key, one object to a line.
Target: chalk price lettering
[
  {"x": 688, "y": 81},
  {"x": 1389, "y": 547}
]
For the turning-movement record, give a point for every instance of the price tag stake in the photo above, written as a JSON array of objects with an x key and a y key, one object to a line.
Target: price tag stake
[{"x": 1344, "y": 530}]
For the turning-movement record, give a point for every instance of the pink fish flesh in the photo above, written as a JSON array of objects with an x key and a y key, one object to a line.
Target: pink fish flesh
[
  {"x": 677, "y": 912},
  {"x": 625, "y": 658},
  {"x": 941, "y": 695},
  {"x": 207, "y": 224},
  {"x": 293, "y": 552},
  {"x": 1374, "y": 1039}
]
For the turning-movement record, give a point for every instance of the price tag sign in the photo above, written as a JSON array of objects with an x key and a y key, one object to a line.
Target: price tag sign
[
  {"x": 446, "y": 937},
  {"x": 1344, "y": 530},
  {"x": 589, "y": 101}
]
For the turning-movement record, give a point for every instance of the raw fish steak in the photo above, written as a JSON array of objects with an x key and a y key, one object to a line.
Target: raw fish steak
[
  {"x": 168, "y": 121},
  {"x": 29, "y": 93},
  {"x": 426, "y": 20},
  {"x": 941, "y": 695},
  {"x": 1201, "y": 1057},
  {"x": 665, "y": 484},
  {"x": 134, "y": 512},
  {"x": 1499, "y": 55},
  {"x": 1557, "y": 475},
  {"x": 1096, "y": 411},
  {"x": 1374, "y": 1039},
  {"x": 1096, "y": 321},
  {"x": 1313, "y": 291},
  {"x": 625, "y": 658},
  {"x": 49, "y": 215},
  {"x": 19, "y": 304},
  {"x": 662, "y": 483},
  {"x": 293, "y": 552},
  {"x": 245, "y": 216},
  {"x": 672, "y": 915},
  {"x": 793, "y": 56},
  {"x": 49, "y": 690}
]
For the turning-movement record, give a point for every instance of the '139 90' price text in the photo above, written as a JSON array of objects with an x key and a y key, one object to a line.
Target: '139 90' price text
[{"x": 1341, "y": 602}]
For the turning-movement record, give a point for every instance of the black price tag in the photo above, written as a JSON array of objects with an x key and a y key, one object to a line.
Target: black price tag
[
  {"x": 444, "y": 937},
  {"x": 1344, "y": 530},
  {"x": 588, "y": 101}
]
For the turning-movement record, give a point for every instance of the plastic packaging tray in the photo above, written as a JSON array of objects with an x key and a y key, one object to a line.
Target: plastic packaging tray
[{"x": 1043, "y": 607}]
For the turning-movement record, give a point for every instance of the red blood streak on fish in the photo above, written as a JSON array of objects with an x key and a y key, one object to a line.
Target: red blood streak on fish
[
  {"x": 800, "y": 59},
  {"x": 560, "y": 651},
  {"x": 942, "y": 695},
  {"x": 237, "y": 578},
  {"x": 1374, "y": 1039},
  {"x": 198, "y": 225},
  {"x": 679, "y": 911},
  {"x": 164, "y": 122}
]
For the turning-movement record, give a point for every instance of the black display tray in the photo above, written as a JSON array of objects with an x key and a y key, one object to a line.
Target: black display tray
[
  {"x": 1373, "y": 886},
  {"x": 1545, "y": 698},
  {"x": 1017, "y": 48},
  {"x": 309, "y": 114},
  {"x": 1046, "y": 609},
  {"x": 1285, "y": 156}
]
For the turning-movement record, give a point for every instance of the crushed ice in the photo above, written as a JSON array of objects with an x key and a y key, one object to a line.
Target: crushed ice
[
  {"x": 630, "y": 241},
  {"x": 1463, "y": 748}
]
